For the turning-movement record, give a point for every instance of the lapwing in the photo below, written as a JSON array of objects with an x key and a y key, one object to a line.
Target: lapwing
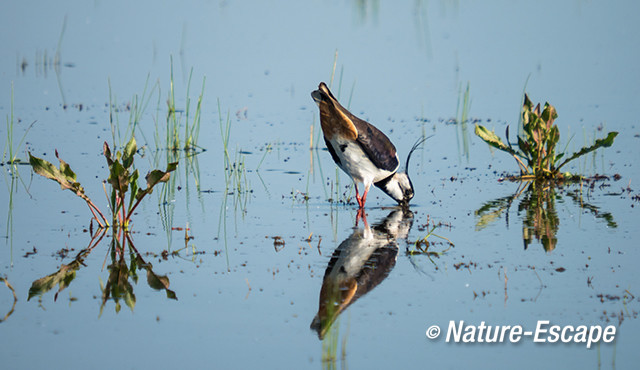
[
  {"x": 362, "y": 151},
  {"x": 359, "y": 264}
]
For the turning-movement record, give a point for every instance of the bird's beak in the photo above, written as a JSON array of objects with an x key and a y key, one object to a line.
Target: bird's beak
[{"x": 404, "y": 203}]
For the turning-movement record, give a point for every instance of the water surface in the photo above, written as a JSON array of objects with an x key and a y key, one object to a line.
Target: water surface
[{"x": 250, "y": 281}]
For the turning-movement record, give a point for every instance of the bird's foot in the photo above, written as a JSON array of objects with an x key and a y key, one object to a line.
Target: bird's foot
[{"x": 360, "y": 215}]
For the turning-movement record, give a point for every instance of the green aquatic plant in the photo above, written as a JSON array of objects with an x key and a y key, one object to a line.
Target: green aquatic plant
[
  {"x": 10, "y": 159},
  {"x": 421, "y": 246},
  {"x": 67, "y": 180},
  {"x": 235, "y": 170},
  {"x": 136, "y": 108},
  {"x": 176, "y": 140},
  {"x": 427, "y": 247},
  {"x": 536, "y": 152},
  {"x": 462, "y": 121},
  {"x": 123, "y": 179},
  {"x": 9, "y": 155},
  {"x": 189, "y": 143}
]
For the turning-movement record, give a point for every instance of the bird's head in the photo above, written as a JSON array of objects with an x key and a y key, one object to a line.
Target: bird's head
[{"x": 398, "y": 186}]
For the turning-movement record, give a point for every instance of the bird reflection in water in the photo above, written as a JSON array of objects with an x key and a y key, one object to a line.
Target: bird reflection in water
[{"x": 359, "y": 264}]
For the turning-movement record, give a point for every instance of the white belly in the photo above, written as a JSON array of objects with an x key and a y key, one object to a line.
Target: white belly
[{"x": 356, "y": 163}]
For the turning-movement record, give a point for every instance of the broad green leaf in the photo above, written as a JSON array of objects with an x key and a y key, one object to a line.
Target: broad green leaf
[
  {"x": 65, "y": 169},
  {"x": 156, "y": 176},
  {"x": 524, "y": 146},
  {"x": 600, "y": 143},
  {"x": 113, "y": 199},
  {"x": 492, "y": 139},
  {"x": 537, "y": 110},
  {"x": 527, "y": 105},
  {"x": 45, "y": 168},
  {"x": 118, "y": 177},
  {"x": 549, "y": 115},
  {"x": 536, "y": 137},
  {"x": 107, "y": 153},
  {"x": 65, "y": 177},
  {"x": 129, "y": 151},
  {"x": 133, "y": 182},
  {"x": 526, "y": 117},
  {"x": 554, "y": 137}
]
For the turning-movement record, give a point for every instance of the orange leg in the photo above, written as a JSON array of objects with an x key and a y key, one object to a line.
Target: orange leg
[
  {"x": 362, "y": 199},
  {"x": 364, "y": 196},
  {"x": 360, "y": 202}
]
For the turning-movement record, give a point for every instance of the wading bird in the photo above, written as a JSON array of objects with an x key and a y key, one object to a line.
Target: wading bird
[
  {"x": 362, "y": 151},
  {"x": 359, "y": 264}
]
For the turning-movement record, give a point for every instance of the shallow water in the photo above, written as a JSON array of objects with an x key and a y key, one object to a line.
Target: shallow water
[{"x": 250, "y": 282}]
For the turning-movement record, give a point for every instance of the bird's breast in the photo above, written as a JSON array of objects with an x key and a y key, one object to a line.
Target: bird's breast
[{"x": 355, "y": 162}]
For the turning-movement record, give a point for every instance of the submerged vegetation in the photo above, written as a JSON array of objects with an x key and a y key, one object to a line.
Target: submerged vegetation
[
  {"x": 429, "y": 248},
  {"x": 536, "y": 152},
  {"x": 421, "y": 246}
]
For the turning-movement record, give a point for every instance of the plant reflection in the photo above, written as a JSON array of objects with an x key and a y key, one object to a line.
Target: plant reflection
[
  {"x": 121, "y": 273},
  {"x": 118, "y": 285},
  {"x": 541, "y": 219},
  {"x": 359, "y": 264},
  {"x": 15, "y": 298},
  {"x": 65, "y": 275},
  {"x": 538, "y": 203}
]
